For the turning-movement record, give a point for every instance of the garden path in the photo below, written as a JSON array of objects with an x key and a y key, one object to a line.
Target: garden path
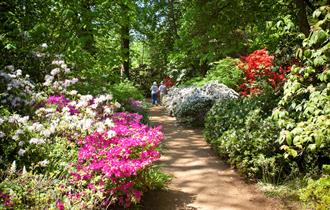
[{"x": 200, "y": 179}]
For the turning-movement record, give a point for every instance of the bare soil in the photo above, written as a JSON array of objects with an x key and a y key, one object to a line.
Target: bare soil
[{"x": 200, "y": 179}]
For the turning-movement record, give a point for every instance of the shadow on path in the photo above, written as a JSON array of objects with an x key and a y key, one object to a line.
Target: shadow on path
[
  {"x": 200, "y": 179},
  {"x": 167, "y": 199}
]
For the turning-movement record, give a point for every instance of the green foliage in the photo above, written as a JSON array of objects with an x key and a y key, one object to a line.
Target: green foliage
[
  {"x": 241, "y": 131},
  {"x": 317, "y": 193},
  {"x": 303, "y": 112},
  {"x": 198, "y": 81},
  {"x": 124, "y": 90},
  {"x": 143, "y": 77},
  {"x": 154, "y": 179},
  {"x": 97, "y": 80},
  {"x": 225, "y": 71},
  {"x": 280, "y": 36},
  {"x": 231, "y": 114}
]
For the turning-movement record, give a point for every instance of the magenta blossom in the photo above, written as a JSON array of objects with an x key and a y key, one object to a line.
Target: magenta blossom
[{"x": 118, "y": 158}]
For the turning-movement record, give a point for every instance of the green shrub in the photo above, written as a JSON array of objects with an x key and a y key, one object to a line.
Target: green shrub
[
  {"x": 226, "y": 71},
  {"x": 304, "y": 110},
  {"x": 227, "y": 114},
  {"x": 124, "y": 90},
  {"x": 253, "y": 149},
  {"x": 198, "y": 81},
  {"x": 97, "y": 79},
  {"x": 242, "y": 131},
  {"x": 317, "y": 193}
]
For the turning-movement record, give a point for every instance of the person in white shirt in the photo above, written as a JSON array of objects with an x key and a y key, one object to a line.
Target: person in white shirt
[
  {"x": 162, "y": 90},
  {"x": 154, "y": 91}
]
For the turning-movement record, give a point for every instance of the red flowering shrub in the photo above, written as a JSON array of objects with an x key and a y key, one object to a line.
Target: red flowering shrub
[
  {"x": 259, "y": 66},
  {"x": 168, "y": 82}
]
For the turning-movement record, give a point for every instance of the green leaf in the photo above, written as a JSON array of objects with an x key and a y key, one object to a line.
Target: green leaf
[
  {"x": 312, "y": 147},
  {"x": 318, "y": 37},
  {"x": 288, "y": 138},
  {"x": 319, "y": 61}
]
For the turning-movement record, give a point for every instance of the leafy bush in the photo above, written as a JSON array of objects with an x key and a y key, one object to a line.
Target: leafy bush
[
  {"x": 16, "y": 90},
  {"x": 241, "y": 131},
  {"x": 191, "y": 104},
  {"x": 231, "y": 114},
  {"x": 303, "y": 112},
  {"x": 317, "y": 193},
  {"x": 124, "y": 90},
  {"x": 277, "y": 139},
  {"x": 225, "y": 71}
]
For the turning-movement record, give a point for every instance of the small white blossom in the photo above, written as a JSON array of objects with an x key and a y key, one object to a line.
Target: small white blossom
[
  {"x": 21, "y": 143},
  {"x": 108, "y": 110},
  {"x": 46, "y": 133},
  {"x": 19, "y": 72},
  {"x": 15, "y": 137},
  {"x": 44, "y": 163},
  {"x": 111, "y": 134},
  {"x": 12, "y": 169},
  {"x": 108, "y": 122},
  {"x": 36, "y": 127},
  {"x": 100, "y": 99},
  {"x": 2, "y": 134},
  {"x": 23, "y": 120},
  {"x": 100, "y": 129},
  {"x": 58, "y": 62},
  {"x": 118, "y": 105},
  {"x": 36, "y": 141},
  {"x": 21, "y": 152},
  {"x": 93, "y": 106},
  {"x": 73, "y": 92},
  {"x": 86, "y": 124},
  {"x": 24, "y": 172},
  {"x": 44, "y": 45},
  {"x": 90, "y": 112},
  {"x": 55, "y": 71}
]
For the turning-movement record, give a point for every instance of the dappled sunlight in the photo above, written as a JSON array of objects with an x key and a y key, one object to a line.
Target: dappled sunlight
[{"x": 197, "y": 171}]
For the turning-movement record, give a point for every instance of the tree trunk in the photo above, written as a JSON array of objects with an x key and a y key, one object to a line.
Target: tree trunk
[
  {"x": 86, "y": 33},
  {"x": 125, "y": 49},
  {"x": 302, "y": 17},
  {"x": 203, "y": 68},
  {"x": 172, "y": 18},
  {"x": 125, "y": 40}
]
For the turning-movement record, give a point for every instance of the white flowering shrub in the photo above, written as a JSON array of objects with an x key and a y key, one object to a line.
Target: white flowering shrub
[
  {"x": 16, "y": 89},
  {"x": 190, "y": 104}
]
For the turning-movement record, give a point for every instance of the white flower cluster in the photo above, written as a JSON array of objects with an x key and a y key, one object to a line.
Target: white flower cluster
[
  {"x": 31, "y": 136},
  {"x": 17, "y": 90},
  {"x": 190, "y": 104},
  {"x": 53, "y": 79}
]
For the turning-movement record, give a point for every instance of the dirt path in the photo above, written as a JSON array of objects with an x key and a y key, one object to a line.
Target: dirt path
[{"x": 200, "y": 180}]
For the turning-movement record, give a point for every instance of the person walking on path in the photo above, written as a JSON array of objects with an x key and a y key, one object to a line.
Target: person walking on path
[
  {"x": 154, "y": 91},
  {"x": 162, "y": 91}
]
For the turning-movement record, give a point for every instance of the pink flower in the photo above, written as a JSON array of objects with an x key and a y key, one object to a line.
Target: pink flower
[{"x": 59, "y": 205}]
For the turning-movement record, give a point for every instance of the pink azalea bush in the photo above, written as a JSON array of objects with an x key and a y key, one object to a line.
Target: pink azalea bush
[{"x": 116, "y": 157}]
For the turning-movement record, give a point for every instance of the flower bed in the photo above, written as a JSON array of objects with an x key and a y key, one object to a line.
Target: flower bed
[{"x": 73, "y": 151}]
